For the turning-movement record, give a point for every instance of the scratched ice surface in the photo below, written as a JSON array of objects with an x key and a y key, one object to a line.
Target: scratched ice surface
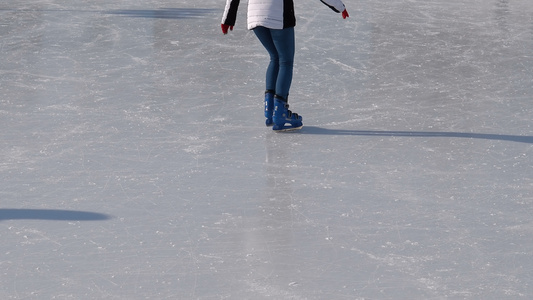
[{"x": 134, "y": 162}]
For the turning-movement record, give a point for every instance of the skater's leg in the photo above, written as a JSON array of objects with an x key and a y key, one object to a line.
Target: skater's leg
[
  {"x": 283, "y": 118},
  {"x": 265, "y": 37},
  {"x": 285, "y": 47},
  {"x": 280, "y": 45}
]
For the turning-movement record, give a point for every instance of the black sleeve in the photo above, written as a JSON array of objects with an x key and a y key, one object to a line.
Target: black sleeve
[
  {"x": 330, "y": 6},
  {"x": 232, "y": 13}
]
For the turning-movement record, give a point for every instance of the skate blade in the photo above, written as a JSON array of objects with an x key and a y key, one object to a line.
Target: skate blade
[{"x": 288, "y": 129}]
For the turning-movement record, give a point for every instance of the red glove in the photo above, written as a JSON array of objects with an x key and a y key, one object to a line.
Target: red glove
[
  {"x": 225, "y": 28},
  {"x": 345, "y": 14}
]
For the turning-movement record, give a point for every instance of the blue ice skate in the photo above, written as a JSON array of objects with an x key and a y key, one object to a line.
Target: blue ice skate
[
  {"x": 284, "y": 119},
  {"x": 269, "y": 107}
]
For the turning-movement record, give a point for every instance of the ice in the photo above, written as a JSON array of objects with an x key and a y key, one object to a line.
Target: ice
[{"x": 135, "y": 163}]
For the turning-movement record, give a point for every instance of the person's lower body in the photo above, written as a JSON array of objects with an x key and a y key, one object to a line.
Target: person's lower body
[{"x": 280, "y": 45}]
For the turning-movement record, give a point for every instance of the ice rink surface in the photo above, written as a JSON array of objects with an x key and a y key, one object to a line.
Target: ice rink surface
[{"x": 135, "y": 163}]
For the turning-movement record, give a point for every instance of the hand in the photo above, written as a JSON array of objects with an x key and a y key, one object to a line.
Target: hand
[
  {"x": 345, "y": 14},
  {"x": 225, "y": 28}
]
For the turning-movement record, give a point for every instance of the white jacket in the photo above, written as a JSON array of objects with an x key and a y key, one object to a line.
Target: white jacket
[{"x": 274, "y": 14}]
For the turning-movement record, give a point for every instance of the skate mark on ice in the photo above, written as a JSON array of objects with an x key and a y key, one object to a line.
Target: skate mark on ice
[
  {"x": 429, "y": 134},
  {"x": 50, "y": 214}
]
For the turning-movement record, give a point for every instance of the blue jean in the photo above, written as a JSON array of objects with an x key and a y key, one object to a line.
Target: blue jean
[{"x": 280, "y": 46}]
